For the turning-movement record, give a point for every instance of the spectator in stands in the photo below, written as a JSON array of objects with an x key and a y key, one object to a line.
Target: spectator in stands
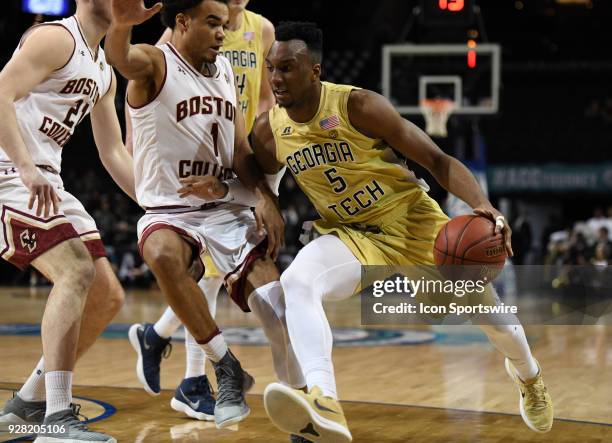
[
  {"x": 594, "y": 223},
  {"x": 603, "y": 243}
]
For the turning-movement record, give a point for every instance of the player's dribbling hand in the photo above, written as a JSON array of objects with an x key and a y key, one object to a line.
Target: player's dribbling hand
[
  {"x": 270, "y": 220},
  {"x": 205, "y": 187},
  {"x": 501, "y": 225},
  {"x": 41, "y": 191},
  {"x": 133, "y": 12}
]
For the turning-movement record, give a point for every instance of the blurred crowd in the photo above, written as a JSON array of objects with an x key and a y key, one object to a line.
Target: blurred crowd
[
  {"x": 587, "y": 242},
  {"x": 579, "y": 256}
]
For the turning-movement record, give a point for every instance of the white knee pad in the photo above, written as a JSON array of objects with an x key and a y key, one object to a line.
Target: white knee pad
[{"x": 268, "y": 304}]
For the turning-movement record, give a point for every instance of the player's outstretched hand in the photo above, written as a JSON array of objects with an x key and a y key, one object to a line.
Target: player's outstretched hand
[
  {"x": 133, "y": 12},
  {"x": 270, "y": 220},
  {"x": 501, "y": 225},
  {"x": 41, "y": 192},
  {"x": 206, "y": 187}
]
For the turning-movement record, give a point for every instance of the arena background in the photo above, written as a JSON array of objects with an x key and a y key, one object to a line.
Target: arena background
[{"x": 546, "y": 159}]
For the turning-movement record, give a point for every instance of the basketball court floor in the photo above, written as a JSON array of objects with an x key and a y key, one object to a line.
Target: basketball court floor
[{"x": 441, "y": 384}]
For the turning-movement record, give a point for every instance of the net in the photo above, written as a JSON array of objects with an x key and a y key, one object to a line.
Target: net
[{"x": 436, "y": 112}]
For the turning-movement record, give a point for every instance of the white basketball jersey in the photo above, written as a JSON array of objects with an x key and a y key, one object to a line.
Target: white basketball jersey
[
  {"x": 48, "y": 114},
  {"x": 188, "y": 129}
]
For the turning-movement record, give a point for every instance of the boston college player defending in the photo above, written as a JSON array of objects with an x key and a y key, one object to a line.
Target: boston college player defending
[
  {"x": 182, "y": 103},
  {"x": 55, "y": 78},
  {"x": 248, "y": 37}
]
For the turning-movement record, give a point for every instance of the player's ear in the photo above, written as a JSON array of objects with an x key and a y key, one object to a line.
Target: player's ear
[
  {"x": 182, "y": 21},
  {"x": 316, "y": 71}
]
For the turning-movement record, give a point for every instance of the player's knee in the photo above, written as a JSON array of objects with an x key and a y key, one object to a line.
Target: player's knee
[
  {"x": 79, "y": 276},
  {"x": 165, "y": 262},
  {"x": 116, "y": 296},
  {"x": 298, "y": 284}
]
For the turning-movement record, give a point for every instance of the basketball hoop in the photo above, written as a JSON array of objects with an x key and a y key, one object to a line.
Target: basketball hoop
[{"x": 436, "y": 112}]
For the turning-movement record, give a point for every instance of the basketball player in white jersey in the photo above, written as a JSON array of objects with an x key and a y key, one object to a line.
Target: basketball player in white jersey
[
  {"x": 182, "y": 103},
  {"x": 56, "y": 77},
  {"x": 249, "y": 37}
]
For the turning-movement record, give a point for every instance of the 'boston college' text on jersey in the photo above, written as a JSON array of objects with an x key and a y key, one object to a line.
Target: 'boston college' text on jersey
[
  {"x": 48, "y": 114},
  {"x": 188, "y": 129}
]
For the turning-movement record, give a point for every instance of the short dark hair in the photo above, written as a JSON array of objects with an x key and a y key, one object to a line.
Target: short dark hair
[
  {"x": 307, "y": 32},
  {"x": 174, "y": 7}
]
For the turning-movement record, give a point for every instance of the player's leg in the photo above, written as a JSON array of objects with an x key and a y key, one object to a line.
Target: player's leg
[
  {"x": 104, "y": 300},
  {"x": 324, "y": 269},
  {"x": 535, "y": 403},
  {"x": 169, "y": 256},
  {"x": 29, "y": 404},
  {"x": 72, "y": 271},
  {"x": 193, "y": 396},
  {"x": 158, "y": 338},
  {"x": 266, "y": 300}
]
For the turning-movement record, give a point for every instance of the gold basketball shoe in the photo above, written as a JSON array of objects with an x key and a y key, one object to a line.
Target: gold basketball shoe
[
  {"x": 312, "y": 416},
  {"x": 535, "y": 403}
]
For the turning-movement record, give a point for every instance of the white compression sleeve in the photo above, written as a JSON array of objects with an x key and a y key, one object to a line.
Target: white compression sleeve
[{"x": 325, "y": 269}]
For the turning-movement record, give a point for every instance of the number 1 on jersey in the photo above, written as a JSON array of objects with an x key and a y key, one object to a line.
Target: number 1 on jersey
[{"x": 214, "y": 130}]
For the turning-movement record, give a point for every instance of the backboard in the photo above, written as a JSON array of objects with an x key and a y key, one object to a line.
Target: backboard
[{"x": 468, "y": 75}]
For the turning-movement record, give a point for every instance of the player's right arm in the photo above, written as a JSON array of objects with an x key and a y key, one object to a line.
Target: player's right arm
[
  {"x": 264, "y": 146},
  {"x": 45, "y": 50},
  {"x": 129, "y": 144},
  {"x": 143, "y": 64}
]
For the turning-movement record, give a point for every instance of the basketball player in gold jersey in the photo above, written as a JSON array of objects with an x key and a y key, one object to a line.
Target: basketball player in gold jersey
[{"x": 337, "y": 141}]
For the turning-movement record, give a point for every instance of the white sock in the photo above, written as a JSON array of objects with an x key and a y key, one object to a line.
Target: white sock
[
  {"x": 59, "y": 391},
  {"x": 167, "y": 324},
  {"x": 268, "y": 303},
  {"x": 34, "y": 387},
  {"x": 196, "y": 358},
  {"x": 215, "y": 348},
  {"x": 510, "y": 340}
]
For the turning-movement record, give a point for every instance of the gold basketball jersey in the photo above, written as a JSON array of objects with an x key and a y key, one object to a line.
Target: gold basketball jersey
[
  {"x": 245, "y": 50},
  {"x": 351, "y": 179}
]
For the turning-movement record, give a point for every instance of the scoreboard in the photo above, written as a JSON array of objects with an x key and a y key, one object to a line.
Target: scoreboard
[{"x": 448, "y": 12}]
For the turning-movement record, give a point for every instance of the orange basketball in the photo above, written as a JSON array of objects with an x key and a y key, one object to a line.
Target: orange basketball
[{"x": 470, "y": 240}]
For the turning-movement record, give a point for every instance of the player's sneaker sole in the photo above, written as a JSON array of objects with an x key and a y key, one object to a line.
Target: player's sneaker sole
[
  {"x": 247, "y": 384},
  {"x": 133, "y": 336},
  {"x": 179, "y": 406},
  {"x": 513, "y": 376},
  {"x": 234, "y": 420},
  {"x": 294, "y": 415}
]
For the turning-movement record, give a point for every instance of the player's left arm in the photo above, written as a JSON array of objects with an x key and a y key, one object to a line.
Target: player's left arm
[
  {"x": 374, "y": 116},
  {"x": 107, "y": 135},
  {"x": 266, "y": 97}
]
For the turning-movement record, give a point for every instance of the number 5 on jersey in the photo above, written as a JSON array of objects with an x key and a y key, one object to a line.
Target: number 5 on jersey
[{"x": 338, "y": 183}]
